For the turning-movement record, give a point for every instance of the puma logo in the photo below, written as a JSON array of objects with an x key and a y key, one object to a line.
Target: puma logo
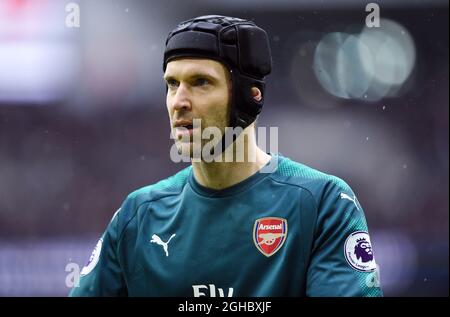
[
  {"x": 165, "y": 245},
  {"x": 345, "y": 196}
]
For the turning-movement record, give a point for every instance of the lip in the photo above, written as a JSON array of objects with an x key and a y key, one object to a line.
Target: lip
[
  {"x": 181, "y": 123},
  {"x": 181, "y": 131}
]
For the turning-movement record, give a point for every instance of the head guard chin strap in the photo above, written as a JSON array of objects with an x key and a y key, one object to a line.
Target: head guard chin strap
[{"x": 240, "y": 45}]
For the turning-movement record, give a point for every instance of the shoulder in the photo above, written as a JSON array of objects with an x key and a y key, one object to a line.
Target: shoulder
[
  {"x": 167, "y": 187},
  {"x": 172, "y": 185},
  {"x": 318, "y": 184},
  {"x": 332, "y": 202}
]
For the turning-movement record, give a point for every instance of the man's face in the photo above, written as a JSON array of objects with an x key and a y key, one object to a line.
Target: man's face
[{"x": 196, "y": 89}]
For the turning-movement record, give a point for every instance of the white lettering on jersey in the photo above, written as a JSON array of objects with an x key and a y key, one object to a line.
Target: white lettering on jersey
[
  {"x": 212, "y": 291},
  {"x": 270, "y": 227}
]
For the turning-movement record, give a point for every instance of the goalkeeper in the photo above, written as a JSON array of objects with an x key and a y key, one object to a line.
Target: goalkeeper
[{"x": 266, "y": 226}]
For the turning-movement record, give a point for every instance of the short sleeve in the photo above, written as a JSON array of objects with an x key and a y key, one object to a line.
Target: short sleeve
[
  {"x": 102, "y": 275},
  {"x": 342, "y": 261}
]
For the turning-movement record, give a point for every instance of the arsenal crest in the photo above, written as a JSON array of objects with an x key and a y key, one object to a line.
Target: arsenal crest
[{"x": 269, "y": 234}]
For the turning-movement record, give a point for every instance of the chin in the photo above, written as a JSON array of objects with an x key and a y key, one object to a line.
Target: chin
[{"x": 185, "y": 149}]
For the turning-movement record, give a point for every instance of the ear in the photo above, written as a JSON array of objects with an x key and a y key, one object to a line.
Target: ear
[{"x": 256, "y": 94}]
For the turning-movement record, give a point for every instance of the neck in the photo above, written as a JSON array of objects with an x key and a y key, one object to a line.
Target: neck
[{"x": 223, "y": 174}]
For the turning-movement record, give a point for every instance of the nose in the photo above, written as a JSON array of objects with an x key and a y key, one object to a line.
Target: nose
[{"x": 181, "y": 100}]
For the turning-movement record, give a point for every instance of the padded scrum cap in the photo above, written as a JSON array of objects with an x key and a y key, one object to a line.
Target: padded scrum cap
[{"x": 240, "y": 45}]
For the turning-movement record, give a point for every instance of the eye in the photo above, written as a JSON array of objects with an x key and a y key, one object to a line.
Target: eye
[
  {"x": 172, "y": 83},
  {"x": 201, "y": 81}
]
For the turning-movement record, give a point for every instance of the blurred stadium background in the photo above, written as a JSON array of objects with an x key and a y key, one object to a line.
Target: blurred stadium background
[{"x": 83, "y": 123}]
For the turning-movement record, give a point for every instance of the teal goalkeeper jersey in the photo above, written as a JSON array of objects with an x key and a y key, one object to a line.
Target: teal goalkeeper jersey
[{"x": 292, "y": 232}]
